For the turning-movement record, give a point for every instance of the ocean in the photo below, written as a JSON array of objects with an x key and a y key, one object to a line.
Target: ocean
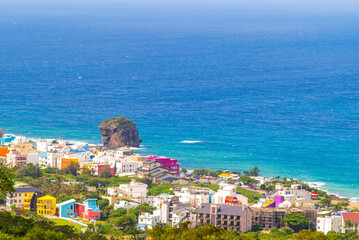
[{"x": 216, "y": 86}]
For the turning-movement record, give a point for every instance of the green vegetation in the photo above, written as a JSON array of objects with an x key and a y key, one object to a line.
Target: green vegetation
[
  {"x": 6, "y": 179},
  {"x": 120, "y": 122},
  {"x": 19, "y": 227},
  {"x": 63, "y": 222},
  {"x": 212, "y": 232},
  {"x": 252, "y": 196},
  {"x": 205, "y": 172},
  {"x": 296, "y": 221}
]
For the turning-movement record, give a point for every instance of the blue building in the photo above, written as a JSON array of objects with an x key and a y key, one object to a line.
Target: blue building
[
  {"x": 67, "y": 209},
  {"x": 7, "y": 139}
]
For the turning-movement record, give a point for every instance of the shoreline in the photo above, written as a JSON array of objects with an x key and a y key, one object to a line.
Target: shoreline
[{"x": 314, "y": 184}]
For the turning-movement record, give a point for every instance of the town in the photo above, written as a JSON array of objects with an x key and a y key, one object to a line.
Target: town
[{"x": 117, "y": 192}]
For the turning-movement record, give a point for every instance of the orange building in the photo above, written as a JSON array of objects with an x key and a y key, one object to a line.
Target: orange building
[
  {"x": 4, "y": 151},
  {"x": 65, "y": 162}
]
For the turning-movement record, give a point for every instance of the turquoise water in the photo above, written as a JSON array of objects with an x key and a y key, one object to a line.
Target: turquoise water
[{"x": 270, "y": 86}]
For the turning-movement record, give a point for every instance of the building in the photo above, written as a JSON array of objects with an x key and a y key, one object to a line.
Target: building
[
  {"x": 350, "y": 222},
  {"x": 147, "y": 221},
  {"x": 329, "y": 223},
  {"x": 126, "y": 166},
  {"x": 136, "y": 191},
  {"x": 88, "y": 210},
  {"x": 170, "y": 164},
  {"x": 272, "y": 217},
  {"x": 19, "y": 196},
  {"x": 125, "y": 204},
  {"x": 294, "y": 193},
  {"x": 225, "y": 216},
  {"x": 227, "y": 190},
  {"x": 46, "y": 205},
  {"x": 148, "y": 167},
  {"x": 92, "y": 210},
  {"x": 67, "y": 209},
  {"x": 65, "y": 162},
  {"x": 4, "y": 151},
  {"x": 15, "y": 158}
]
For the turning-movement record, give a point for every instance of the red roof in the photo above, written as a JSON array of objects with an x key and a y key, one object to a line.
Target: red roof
[
  {"x": 353, "y": 217},
  {"x": 315, "y": 193}
]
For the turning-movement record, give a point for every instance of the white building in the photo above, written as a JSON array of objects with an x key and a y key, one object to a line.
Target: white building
[
  {"x": 32, "y": 158},
  {"x": 126, "y": 165},
  {"x": 125, "y": 204},
  {"x": 227, "y": 190},
  {"x": 295, "y": 192},
  {"x": 147, "y": 221},
  {"x": 329, "y": 223},
  {"x": 42, "y": 145},
  {"x": 193, "y": 195}
]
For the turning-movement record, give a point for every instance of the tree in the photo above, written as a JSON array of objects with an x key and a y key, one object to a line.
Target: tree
[
  {"x": 296, "y": 221},
  {"x": 72, "y": 169},
  {"x": 326, "y": 202},
  {"x": 30, "y": 170},
  {"x": 183, "y": 170},
  {"x": 285, "y": 179},
  {"x": 6, "y": 179},
  {"x": 248, "y": 180},
  {"x": 105, "y": 172},
  {"x": 246, "y": 173},
  {"x": 254, "y": 171},
  {"x": 103, "y": 203},
  {"x": 118, "y": 213},
  {"x": 277, "y": 178}
]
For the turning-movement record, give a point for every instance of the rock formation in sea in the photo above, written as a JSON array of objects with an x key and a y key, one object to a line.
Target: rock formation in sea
[
  {"x": 119, "y": 132},
  {"x": 1, "y": 133}
]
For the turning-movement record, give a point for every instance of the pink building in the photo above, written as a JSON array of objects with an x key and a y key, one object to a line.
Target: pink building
[
  {"x": 170, "y": 164},
  {"x": 15, "y": 158}
]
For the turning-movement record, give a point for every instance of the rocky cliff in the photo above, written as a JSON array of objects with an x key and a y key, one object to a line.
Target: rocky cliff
[
  {"x": 1, "y": 133},
  {"x": 119, "y": 132}
]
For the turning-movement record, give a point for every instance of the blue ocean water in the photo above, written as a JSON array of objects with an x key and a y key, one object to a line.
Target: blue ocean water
[{"x": 273, "y": 86}]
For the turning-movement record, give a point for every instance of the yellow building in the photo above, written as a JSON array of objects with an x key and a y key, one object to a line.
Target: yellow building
[
  {"x": 46, "y": 206},
  {"x": 65, "y": 162},
  {"x": 27, "y": 200}
]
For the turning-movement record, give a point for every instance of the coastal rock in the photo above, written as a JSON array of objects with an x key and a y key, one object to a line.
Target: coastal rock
[
  {"x": 2, "y": 133},
  {"x": 119, "y": 132}
]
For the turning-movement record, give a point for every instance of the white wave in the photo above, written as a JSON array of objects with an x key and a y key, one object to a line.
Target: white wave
[{"x": 189, "y": 141}]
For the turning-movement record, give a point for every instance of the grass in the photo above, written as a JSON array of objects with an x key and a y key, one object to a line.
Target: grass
[
  {"x": 253, "y": 196},
  {"x": 62, "y": 222}
]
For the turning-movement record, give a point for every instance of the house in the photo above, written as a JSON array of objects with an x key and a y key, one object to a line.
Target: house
[
  {"x": 46, "y": 205},
  {"x": 4, "y": 151},
  {"x": 148, "y": 167},
  {"x": 126, "y": 165},
  {"x": 350, "y": 222},
  {"x": 195, "y": 196},
  {"x": 170, "y": 164},
  {"x": 88, "y": 209},
  {"x": 7, "y": 138},
  {"x": 67, "y": 209},
  {"x": 136, "y": 191},
  {"x": 40, "y": 203},
  {"x": 19, "y": 196},
  {"x": 147, "y": 221},
  {"x": 227, "y": 190},
  {"x": 125, "y": 204},
  {"x": 65, "y": 162},
  {"x": 294, "y": 193},
  {"x": 225, "y": 216},
  {"x": 15, "y": 158},
  {"x": 92, "y": 210},
  {"x": 326, "y": 224}
]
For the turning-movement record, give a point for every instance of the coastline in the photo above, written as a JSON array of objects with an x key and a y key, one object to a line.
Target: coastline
[{"x": 314, "y": 184}]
